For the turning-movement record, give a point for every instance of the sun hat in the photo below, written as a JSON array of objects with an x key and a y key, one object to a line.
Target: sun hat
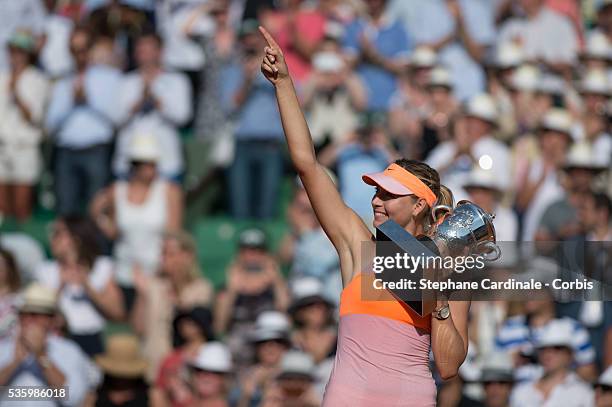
[
  {"x": 440, "y": 77},
  {"x": 595, "y": 81},
  {"x": 558, "y": 332},
  {"x": 144, "y": 148},
  {"x": 597, "y": 47},
  {"x": 38, "y": 299},
  {"x": 423, "y": 57},
  {"x": 481, "y": 178},
  {"x": 213, "y": 357},
  {"x": 327, "y": 62},
  {"x": 399, "y": 181},
  {"x": 580, "y": 156},
  {"x": 525, "y": 78},
  {"x": 558, "y": 120},
  {"x": 606, "y": 377},
  {"x": 508, "y": 55},
  {"x": 122, "y": 357},
  {"x": 497, "y": 367},
  {"x": 253, "y": 238},
  {"x": 550, "y": 84},
  {"x": 307, "y": 291},
  {"x": 483, "y": 107},
  {"x": 23, "y": 40},
  {"x": 297, "y": 364},
  {"x": 271, "y": 326}
]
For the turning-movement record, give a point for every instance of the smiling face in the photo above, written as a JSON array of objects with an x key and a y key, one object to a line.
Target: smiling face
[{"x": 405, "y": 210}]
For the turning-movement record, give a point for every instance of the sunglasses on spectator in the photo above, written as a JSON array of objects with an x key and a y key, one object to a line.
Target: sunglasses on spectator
[
  {"x": 603, "y": 387},
  {"x": 555, "y": 347},
  {"x": 200, "y": 370}
]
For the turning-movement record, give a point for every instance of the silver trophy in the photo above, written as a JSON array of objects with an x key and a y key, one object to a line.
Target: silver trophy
[{"x": 465, "y": 230}]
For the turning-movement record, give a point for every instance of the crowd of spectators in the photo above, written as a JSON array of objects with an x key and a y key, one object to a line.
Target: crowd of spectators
[{"x": 508, "y": 99}]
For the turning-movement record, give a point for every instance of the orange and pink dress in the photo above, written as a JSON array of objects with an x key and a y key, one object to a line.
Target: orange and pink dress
[{"x": 382, "y": 358}]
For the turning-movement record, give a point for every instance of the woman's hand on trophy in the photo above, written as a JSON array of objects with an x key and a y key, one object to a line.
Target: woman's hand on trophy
[{"x": 273, "y": 65}]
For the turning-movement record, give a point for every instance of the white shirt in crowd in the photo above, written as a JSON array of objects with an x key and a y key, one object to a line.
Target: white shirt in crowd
[
  {"x": 549, "y": 36},
  {"x": 174, "y": 93},
  {"x": 550, "y": 191},
  {"x": 55, "y": 57},
  {"x": 82, "y": 317},
  {"x": 573, "y": 392},
  {"x": 456, "y": 175},
  {"x": 140, "y": 229}
]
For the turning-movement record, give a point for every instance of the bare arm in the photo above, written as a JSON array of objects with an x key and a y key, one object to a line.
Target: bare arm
[
  {"x": 102, "y": 212},
  {"x": 108, "y": 301},
  {"x": 175, "y": 207},
  {"x": 449, "y": 338},
  {"x": 340, "y": 223}
]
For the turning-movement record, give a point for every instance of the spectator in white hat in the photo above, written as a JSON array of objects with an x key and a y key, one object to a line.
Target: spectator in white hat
[
  {"x": 443, "y": 106},
  {"x": 603, "y": 389},
  {"x": 38, "y": 357},
  {"x": 332, "y": 96},
  {"x": 597, "y": 52},
  {"x": 296, "y": 379},
  {"x": 209, "y": 374},
  {"x": 473, "y": 146},
  {"x": 271, "y": 340},
  {"x": 497, "y": 380},
  {"x": 559, "y": 385},
  {"x": 136, "y": 212},
  {"x": 537, "y": 182}
]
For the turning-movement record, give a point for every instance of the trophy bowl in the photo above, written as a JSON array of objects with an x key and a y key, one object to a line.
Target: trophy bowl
[{"x": 465, "y": 230}]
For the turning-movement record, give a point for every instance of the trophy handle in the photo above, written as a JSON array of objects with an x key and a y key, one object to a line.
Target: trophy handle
[
  {"x": 490, "y": 251},
  {"x": 437, "y": 208}
]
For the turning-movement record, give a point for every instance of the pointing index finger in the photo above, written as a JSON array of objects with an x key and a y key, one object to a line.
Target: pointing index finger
[{"x": 268, "y": 38}]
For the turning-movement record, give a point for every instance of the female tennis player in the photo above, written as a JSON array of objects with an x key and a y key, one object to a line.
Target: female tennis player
[{"x": 383, "y": 346}]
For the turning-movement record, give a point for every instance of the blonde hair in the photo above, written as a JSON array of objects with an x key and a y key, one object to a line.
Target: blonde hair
[
  {"x": 188, "y": 244},
  {"x": 431, "y": 178}
]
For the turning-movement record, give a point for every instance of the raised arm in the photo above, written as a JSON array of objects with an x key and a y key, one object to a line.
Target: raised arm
[{"x": 343, "y": 227}]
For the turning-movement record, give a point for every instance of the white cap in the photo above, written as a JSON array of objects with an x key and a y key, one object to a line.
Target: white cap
[
  {"x": 213, "y": 357},
  {"x": 481, "y": 178},
  {"x": 38, "y": 299},
  {"x": 328, "y": 62},
  {"x": 497, "y": 367},
  {"x": 423, "y": 57},
  {"x": 271, "y": 325},
  {"x": 143, "y": 147},
  {"x": 595, "y": 81},
  {"x": 606, "y": 377},
  {"x": 525, "y": 78},
  {"x": 297, "y": 363},
  {"x": 580, "y": 156},
  {"x": 483, "y": 107},
  {"x": 334, "y": 30},
  {"x": 551, "y": 84},
  {"x": 558, "y": 120},
  {"x": 558, "y": 332},
  {"x": 509, "y": 55},
  {"x": 598, "y": 47},
  {"x": 440, "y": 76}
]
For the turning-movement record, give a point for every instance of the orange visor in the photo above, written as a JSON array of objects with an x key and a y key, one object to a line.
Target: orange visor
[{"x": 399, "y": 181}]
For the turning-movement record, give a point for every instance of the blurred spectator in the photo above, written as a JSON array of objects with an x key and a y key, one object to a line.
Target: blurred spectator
[
  {"x": 209, "y": 374},
  {"x": 23, "y": 98},
  {"x": 270, "y": 339},
  {"x": 473, "y": 146},
  {"x": 460, "y": 31},
  {"x": 178, "y": 287},
  {"x": 332, "y": 96},
  {"x": 306, "y": 247},
  {"x": 603, "y": 389},
  {"x": 296, "y": 378},
  {"x": 27, "y": 252},
  {"x": 300, "y": 28},
  {"x": 559, "y": 385},
  {"x": 497, "y": 381},
  {"x": 155, "y": 100},
  {"x": 25, "y": 14},
  {"x": 255, "y": 175},
  {"x": 253, "y": 285},
  {"x": 82, "y": 116},
  {"x": 378, "y": 48},
  {"x": 545, "y": 35},
  {"x": 366, "y": 153},
  {"x": 124, "y": 370},
  {"x": 192, "y": 329},
  {"x": 520, "y": 334},
  {"x": 135, "y": 213},
  {"x": 54, "y": 57},
  {"x": 36, "y": 356},
  {"x": 83, "y": 280},
  {"x": 597, "y": 52},
  {"x": 10, "y": 284},
  {"x": 539, "y": 182}
]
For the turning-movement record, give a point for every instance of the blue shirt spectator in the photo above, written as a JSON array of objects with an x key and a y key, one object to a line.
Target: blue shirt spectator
[{"x": 390, "y": 40}]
